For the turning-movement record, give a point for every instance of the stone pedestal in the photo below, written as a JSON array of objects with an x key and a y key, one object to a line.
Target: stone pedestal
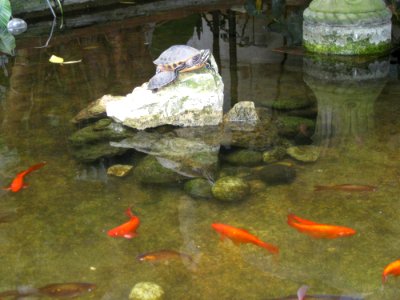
[{"x": 349, "y": 27}]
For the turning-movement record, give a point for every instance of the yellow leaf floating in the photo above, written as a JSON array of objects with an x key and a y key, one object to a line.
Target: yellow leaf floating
[
  {"x": 56, "y": 60},
  {"x": 59, "y": 60}
]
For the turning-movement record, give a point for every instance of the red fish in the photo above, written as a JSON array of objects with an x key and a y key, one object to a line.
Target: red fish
[
  {"x": 163, "y": 255},
  {"x": 318, "y": 230},
  {"x": 391, "y": 269},
  {"x": 238, "y": 235},
  {"x": 346, "y": 188},
  {"x": 18, "y": 182},
  {"x": 128, "y": 229}
]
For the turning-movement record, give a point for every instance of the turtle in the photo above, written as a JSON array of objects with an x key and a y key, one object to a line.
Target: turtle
[{"x": 177, "y": 58}]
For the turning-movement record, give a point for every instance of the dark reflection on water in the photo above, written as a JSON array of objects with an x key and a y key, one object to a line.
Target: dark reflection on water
[{"x": 64, "y": 214}]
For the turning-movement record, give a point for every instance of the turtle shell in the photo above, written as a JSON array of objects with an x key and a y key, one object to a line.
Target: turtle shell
[
  {"x": 161, "y": 79},
  {"x": 174, "y": 57}
]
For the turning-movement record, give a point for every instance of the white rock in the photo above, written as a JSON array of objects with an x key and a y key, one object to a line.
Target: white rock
[{"x": 194, "y": 99}]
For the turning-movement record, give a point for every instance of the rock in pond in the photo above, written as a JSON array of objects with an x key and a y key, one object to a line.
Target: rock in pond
[
  {"x": 149, "y": 170},
  {"x": 102, "y": 130},
  {"x": 119, "y": 170},
  {"x": 276, "y": 174},
  {"x": 146, "y": 291},
  {"x": 198, "y": 188},
  {"x": 244, "y": 157},
  {"x": 95, "y": 109},
  {"x": 304, "y": 153},
  {"x": 230, "y": 189},
  {"x": 194, "y": 99},
  {"x": 290, "y": 126},
  {"x": 274, "y": 155}
]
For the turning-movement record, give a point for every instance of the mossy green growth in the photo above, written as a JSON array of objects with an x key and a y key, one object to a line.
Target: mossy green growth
[
  {"x": 230, "y": 189},
  {"x": 198, "y": 188},
  {"x": 149, "y": 170},
  {"x": 290, "y": 126},
  {"x": 244, "y": 157},
  {"x": 351, "y": 48}
]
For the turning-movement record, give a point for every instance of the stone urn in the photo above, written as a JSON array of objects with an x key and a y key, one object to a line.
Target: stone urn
[{"x": 347, "y": 27}]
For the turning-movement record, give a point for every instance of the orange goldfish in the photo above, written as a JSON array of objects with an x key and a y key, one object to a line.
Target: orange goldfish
[
  {"x": 163, "y": 255},
  {"x": 346, "y": 188},
  {"x": 238, "y": 235},
  {"x": 318, "y": 230},
  {"x": 18, "y": 182},
  {"x": 128, "y": 229},
  {"x": 391, "y": 269}
]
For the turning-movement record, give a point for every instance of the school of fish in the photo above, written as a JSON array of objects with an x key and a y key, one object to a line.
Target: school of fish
[{"x": 237, "y": 235}]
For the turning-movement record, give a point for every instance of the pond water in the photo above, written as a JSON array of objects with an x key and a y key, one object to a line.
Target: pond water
[{"x": 55, "y": 230}]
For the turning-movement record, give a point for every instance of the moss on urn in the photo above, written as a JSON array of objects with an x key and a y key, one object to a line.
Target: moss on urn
[{"x": 347, "y": 27}]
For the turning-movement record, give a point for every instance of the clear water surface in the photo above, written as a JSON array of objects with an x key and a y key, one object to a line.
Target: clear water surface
[{"x": 56, "y": 229}]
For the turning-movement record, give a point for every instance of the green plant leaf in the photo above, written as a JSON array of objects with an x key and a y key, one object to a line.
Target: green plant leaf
[
  {"x": 7, "y": 42},
  {"x": 5, "y": 13}
]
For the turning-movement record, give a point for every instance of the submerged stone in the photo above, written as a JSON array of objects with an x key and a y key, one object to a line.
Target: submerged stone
[
  {"x": 274, "y": 155},
  {"x": 276, "y": 174},
  {"x": 149, "y": 170},
  {"x": 292, "y": 103},
  {"x": 259, "y": 136},
  {"x": 198, "y": 188},
  {"x": 119, "y": 170},
  {"x": 230, "y": 189},
  {"x": 180, "y": 151},
  {"x": 102, "y": 130},
  {"x": 290, "y": 126},
  {"x": 146, "y": 291},
  {"x": 93, "y": 152},
  {"x": 304, "y": 153},
  {"x": 244, "y": 157}
]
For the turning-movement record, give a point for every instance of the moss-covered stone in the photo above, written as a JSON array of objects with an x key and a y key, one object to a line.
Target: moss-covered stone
[
  {"x": 230, "y": 189},
  {"x": 291, "y": 103},
  {"x": 146, "y": 291},
  {"x": 244, "y": 157},
  {"x": 290, "y": 126},
  {"x": 102, "y": 130},
  {"x": 93, "y": 152},
  {"x": 119, "y": 170},
  {"x": 274, "y": 154},
  {"x": 198, "y": 188},
  {"x": 149, "y": 170},
  {"x": 276, "y": 174},
  {"x": 304, "y": 153}
]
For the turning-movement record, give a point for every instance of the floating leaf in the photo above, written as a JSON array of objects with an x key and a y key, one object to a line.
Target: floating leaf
[
  {"x": 59, "y": 60},
  {"x": 56, "y": 60},
  {"x": 5, "y": 13},
  {"x": 7, "y": 42}
]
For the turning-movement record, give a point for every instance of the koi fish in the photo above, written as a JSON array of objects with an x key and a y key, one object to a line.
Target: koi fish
[
  {"x": 18, "y": 182},
  {"x": 318, "y": 230},
  {"x": 56, "y": 290},
  {"x": 346, "y": 188},
  {"x": 301, "y": 295},
  {"x": 128, "y": 229},
  {"x": 238, "y": 235},
  {"x": 391, "y": 269},
  {"x": 163, "y": 255}
]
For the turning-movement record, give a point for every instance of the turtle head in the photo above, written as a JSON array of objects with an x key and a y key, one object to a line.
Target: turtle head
[{"x": 202, "y": 57}]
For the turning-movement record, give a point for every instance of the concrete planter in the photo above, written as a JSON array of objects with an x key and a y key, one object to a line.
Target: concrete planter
[{"x": 347, "y": 27}]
